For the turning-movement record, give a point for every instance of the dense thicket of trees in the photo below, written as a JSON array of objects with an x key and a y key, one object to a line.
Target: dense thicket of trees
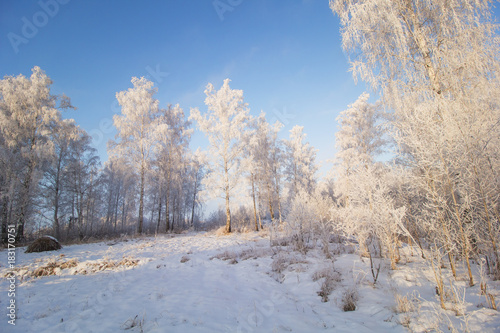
[{"x": 436, "y": 66}]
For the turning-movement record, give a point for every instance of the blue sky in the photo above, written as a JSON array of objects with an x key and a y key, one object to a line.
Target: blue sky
[{"x": 285, "y": 55}]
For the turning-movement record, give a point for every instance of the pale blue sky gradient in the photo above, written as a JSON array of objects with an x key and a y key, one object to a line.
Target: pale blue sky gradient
[{"x": 285, "y": 55}]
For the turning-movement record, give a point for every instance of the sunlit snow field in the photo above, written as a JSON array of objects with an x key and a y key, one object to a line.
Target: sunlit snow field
[{"x": 201, "y": 282}]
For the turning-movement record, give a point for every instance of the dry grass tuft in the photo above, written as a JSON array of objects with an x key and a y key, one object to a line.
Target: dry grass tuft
[
  {"x": 42, "y": 244},
  {"x": 221, "y": 232},
  {"x": 284, "y": 260},
  {"x": 404, "y": 304},
  {"x": 226, "y": 255},
  {"x": 52, "y": 268},
  {"x": 349, "y": 300},
  {"x": 331, "y": 279},
  {"x": 108, "y": 264}
]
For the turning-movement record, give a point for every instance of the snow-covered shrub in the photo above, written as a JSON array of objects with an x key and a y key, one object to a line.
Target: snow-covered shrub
[
  {"x": 349, "y": 299},
  {"x": 371, "y": 215}
]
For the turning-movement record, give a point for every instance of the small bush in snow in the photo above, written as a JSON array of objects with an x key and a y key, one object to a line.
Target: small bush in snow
[
  {"x": 349, "y": 300},
  {"x": 42, "y": 244},
  {"x": 134, "y": 322}
]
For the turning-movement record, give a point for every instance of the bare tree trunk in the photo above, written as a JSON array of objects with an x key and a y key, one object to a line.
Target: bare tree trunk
[
  {"x": 226, "y": 188},
  {"x": 116, "y": 207},
  {"x": 167, "y": 209},
  {"x": 141, "y": 200},
  {"x": 5, "y": 216},
  {"x": 270, "y": 200},
  {"x": 446, "y": 233},
  {"x": 228, "y": 213},
  {"x": 195, "y": 189},
  {"x": 278, "y": 196},
  {"x": 124, "y": 210},
  {"x": 25, "y": 201},
  {"x": 252, "y": 177},
  {"x": 173, "y": 212},
  {"x": 465, "y": 243},
  {"x": 167, "y": 199},
  {"x": 159, "y": 213},
  {"x": 57, "y": 229}
]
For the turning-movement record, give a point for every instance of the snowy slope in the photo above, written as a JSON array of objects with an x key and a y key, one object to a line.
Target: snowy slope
[{"x": 205, "y": 283}]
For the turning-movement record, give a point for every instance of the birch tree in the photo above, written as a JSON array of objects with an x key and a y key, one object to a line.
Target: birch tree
[
  {"x": 54, "y": 178},
  {"x": 300, "y": 167},
  {"x": 137, "y": 135},
  {"x": 224, "y": 124},
  {"x": 28, "y": 114},
  {"x": 358, "y": 141},
  {"x": 364, "y": 203},
  {"x": 265, "y": 164},
  {"x": 197, "y": 172},
  {"x": 436, "y": 64},
  {"x": 173, "y": 140},
  {"x": 81, "y": 176}
]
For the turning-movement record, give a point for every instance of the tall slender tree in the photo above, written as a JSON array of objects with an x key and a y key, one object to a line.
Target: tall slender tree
[
  {"x": 224, "y": 124},
  {"x": 137, "y": 132},
  {"x": 300, "y": 167}
]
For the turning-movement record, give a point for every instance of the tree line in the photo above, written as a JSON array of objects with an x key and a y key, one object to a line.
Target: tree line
[{"x": 53, "y": 182}]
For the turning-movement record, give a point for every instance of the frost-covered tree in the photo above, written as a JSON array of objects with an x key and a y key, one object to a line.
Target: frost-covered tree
[
  {"x": 173, "y": 140},
  {"x": 137, "y": 132},
  {"x": 267, "y": 155},
  {"x": 372, "y": 215},
  {"x": 29, "y": 113},
  {"x": 196, "y": 172},
  {"x": 224, "y": 124},
  {"x": 81, "y": 177},
  {"x": 436, "y": 64},
  {"x": 300, "y": 167},
  {"x": 53, "y": 184},
  {"x": 358, "y": 141},
  {"x": 119, "y": 183},
  {"x": 358, "y": 180}
]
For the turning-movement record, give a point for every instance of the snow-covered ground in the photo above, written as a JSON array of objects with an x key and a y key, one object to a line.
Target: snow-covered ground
[{"x": 200, "y": 282}]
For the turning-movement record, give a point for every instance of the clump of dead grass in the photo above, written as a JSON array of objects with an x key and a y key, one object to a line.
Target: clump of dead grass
[
  {"x": 226, "y": 255},
  {"x": 331, "y": 279},
  {"x": 283, "y": 261},
  {"x": 349, "y": 299},
  {"x": 52, "y": 268},
  {"x": 109, "y": 264}
]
